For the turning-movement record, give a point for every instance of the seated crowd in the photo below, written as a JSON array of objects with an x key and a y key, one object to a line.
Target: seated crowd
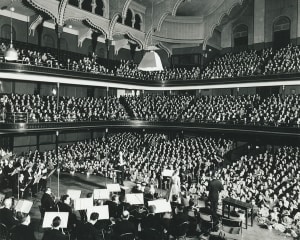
[
  {"x": 154, "y": 108},
  {"x": 276, "y": 110},
  {"x": 230, "y": 65},
  {"x": 70, "y": 109},
  {"x": 269, "y": 179}
]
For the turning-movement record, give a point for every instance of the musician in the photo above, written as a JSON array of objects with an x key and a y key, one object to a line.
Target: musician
[
  {"x": 6, "y": 214},
  {"x": 113, "y": 206},
  {"x": 54, "y": 233},
  {"x": 64, "y": 205},
  {"x": 124, "y": 226},
  {"x": 214, "y": 188},
  {"x": 152, "y": 220},
  {"x": 122, "y": 205},
  {"x": 179, "y": 218},
  {"x": 88, "y": 231},
  {"x": 22, "y": 231},
  {"x": 47, "y": 201}
]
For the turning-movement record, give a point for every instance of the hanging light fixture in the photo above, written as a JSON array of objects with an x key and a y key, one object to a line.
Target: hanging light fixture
[
  {"x": 11, "y": 54},
  {"x": 151, "y": 60}
]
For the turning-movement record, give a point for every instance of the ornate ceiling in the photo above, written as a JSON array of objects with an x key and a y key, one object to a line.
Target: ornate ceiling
[{"x": 200, "y": 16}]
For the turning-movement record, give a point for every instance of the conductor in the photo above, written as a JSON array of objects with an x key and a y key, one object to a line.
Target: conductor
[{"x": 214, "y": 188}]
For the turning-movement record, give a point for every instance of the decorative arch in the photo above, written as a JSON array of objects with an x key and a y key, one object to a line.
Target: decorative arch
[
  {"x": 240, "y": 35},
  {"x": 125, "y": 8},
  {"x": 41, "y": 8},
  {"x": 95, "y": 26},
  {"x": 177, "y": 4},
  {"x": 161, "y": 20},
  {"x": 219, "y": 20},
  {"x": 5, "y": 32},
  {"x": 281, "y": 31},
  {"x": 61, "y": 12},
  {"x": 135, "y": 39},
  {"x": 281, "y": 23},
  {"x": 112, "y": 24},
  {"x": 35, "y": 24},
  {"x": 165, "y": 48}
]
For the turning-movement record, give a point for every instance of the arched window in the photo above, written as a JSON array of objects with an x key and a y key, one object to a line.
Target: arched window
[
  {"x": 119, "y": 20},
  {"x": 87, "y": 5},
  {"x": 48, "y": 41},
  {"x": 5, "y": 32},
  {"x": 128, "y": 19},
  {"x": 99, "y": 7},
  {"x": 73, "y": 2},
  {"x": 281, "y": 32},
  {"x": 138, "y": 22},
  {"x": 240, "y": 36}
]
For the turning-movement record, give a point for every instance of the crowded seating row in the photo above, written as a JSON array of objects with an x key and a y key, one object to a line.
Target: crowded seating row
[
  {"x": 230, "y": 65},
  {"x": 276, "y": 110}
]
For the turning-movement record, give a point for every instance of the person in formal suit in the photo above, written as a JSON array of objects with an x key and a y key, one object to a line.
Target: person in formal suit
[
  {"x": 64, "y": 206},
  {"x": 113, "y": 206},
  {"x": 214, "y": 188},
  {"x": 124, "y": 226},
  {"x": 152, "y": 220},
  {"x": 88, "y": 231},
  {"x": 47, "y": 202},
  {"x": 177, "y": 220},
  {"x": 22, "y": 231},
  {"x": 55, "y": 232},
  {"x": 122, "y": 205},
  {"x": 6, "y": 214}
]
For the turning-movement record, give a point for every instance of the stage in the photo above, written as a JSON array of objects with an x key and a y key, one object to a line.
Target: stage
[{"x": 87, "y": 183}]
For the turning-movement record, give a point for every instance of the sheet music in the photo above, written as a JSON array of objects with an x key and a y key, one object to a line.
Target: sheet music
[
  {"x": 74, "y": 193},
  {"x": 23, "y": 206},
  {"x": 161, "y": 205},
  {"x": 49, "y": 216},
  {"x": 101, "y": 194},
  {"x": 101, "y": 210},
  {"x": 135, "y": 198},
  {"x": 83, "y": 203},
  {"x": 114, "y": 187}
]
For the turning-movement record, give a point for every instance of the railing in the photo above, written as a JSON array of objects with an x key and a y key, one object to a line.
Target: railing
[{"x": 19, "y": 117}]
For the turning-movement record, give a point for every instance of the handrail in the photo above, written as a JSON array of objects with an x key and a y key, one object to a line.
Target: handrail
[{"x": 41, "y": 70}]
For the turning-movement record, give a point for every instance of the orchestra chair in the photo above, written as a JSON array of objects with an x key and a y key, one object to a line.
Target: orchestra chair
[
  {"x": 4, "y": 234},
  {"x": 181, "y": 231},
  {"x": 206, "y": 222},
  {"x": 231, "y": 229},
  {"x": 126, "y": 236}
]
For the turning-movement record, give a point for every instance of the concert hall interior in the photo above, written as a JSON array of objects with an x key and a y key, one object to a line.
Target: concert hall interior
[{"x": 149, "y": 119}]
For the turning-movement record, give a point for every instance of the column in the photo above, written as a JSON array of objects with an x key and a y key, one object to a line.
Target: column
[
  {"x": 59, "y": 31},
  {"x": 259, "y": 23},
  {"x": 298, "y": 23}
]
